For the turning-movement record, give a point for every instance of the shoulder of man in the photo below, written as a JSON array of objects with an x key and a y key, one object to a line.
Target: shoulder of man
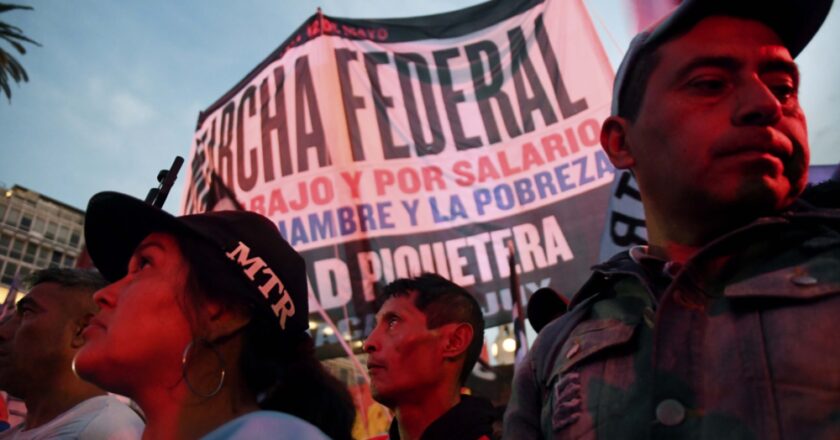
[
  {"x": 818, "y": 204},
  {"x": 823, "y": 195},
  {"x": 523, "y": 414},
  {"x": 471, "y": 419}
]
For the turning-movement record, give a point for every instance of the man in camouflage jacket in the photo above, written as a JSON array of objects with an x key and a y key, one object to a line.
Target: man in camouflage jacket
[{"x": 723, "y": 326}]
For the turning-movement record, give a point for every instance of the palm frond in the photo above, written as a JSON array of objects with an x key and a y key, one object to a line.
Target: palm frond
[
  {"x": 5, "y": 7},
  {"x": 9, "y": 32},
  {"x": 10, "y": 68}
]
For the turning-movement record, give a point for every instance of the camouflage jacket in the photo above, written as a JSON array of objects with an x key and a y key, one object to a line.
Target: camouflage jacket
[{"x": 740, "y": 342}]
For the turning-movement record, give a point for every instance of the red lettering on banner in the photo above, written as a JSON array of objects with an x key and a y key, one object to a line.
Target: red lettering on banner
[
  {"x": 507, "y": 169},
  {"x": 408, "y": 180},
  {"x": 352, "y": 181},
  {"x": 322, "y": 190},
  {"x": 486, "y": 170},
  {"x": 507, "y": 162},
  {"x": 378, "y": 34},
  {"x": 462, "y": 169},
  {"x": 433, "y": 176},
  {"x": 319, "y": 191},
  {"x": 382, "y": 179},
  {"x": 303, "y": 201},
  {"x": 277, "y": 203},
  {"x": 553, "y": 144},
  {"x": 530, "y": 156},
  {"x": 258, "y": 204},
  {"x": 573, "y": 142}
]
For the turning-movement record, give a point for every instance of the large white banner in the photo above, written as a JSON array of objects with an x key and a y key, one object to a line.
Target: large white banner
[{"x": 387, "y": 148}]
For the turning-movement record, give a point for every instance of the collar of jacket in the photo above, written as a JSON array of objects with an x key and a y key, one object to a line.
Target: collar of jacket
[{"x": 800, "y": 212}]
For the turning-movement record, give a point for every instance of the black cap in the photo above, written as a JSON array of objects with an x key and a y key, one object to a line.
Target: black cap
[
  {"x": 794, "y": 21},
  {"x": 544, "y": 306},
  {"x": 116, "y": 223}
]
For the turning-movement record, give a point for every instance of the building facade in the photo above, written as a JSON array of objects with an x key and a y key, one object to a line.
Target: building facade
[{"x": 36, "y": 232}]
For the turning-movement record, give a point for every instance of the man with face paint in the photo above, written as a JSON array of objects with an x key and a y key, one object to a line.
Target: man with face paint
[{"x": 428, "y": 335}]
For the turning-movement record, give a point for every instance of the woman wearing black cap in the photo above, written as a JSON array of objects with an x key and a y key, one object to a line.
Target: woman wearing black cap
[{"x": 204, "y": 325}]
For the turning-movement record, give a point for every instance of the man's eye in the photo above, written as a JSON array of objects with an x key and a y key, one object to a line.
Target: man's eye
[
  {"x": 706, "y": 85},
  {"x": 392, "y": 322},
  {"x": 783, "y": 85},
  {"x": 783, "y": 92}
]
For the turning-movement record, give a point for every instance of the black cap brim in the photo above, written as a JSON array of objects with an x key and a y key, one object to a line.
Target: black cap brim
[
  {"x": 115, "y": 224},
  {"x": 794, "y": 21}
]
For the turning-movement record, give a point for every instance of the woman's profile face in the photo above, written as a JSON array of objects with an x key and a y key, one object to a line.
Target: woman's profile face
[{"x": 138, "y": 336}]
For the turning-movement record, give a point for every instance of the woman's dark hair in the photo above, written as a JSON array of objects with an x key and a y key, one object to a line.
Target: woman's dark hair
[{"x": 281, "y": 371}]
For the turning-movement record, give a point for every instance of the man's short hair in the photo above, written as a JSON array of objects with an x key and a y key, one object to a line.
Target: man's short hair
[
  {"x": 443, "y": 302},
  {"x": 82, "y": 279}
]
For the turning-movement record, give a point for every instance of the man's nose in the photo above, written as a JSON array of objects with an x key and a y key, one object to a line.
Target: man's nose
[
  {"x": 756, "y": 104},
  {"x": 7, "y": 326},
  {"x": 371, "y": 343}
]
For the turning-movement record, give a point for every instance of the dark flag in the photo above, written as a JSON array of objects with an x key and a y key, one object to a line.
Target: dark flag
[
  {"x": 518, "y": 315},
  {"x": 220, "y": 197}
]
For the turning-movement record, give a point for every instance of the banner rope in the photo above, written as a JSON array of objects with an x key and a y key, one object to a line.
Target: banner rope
[{"x": 604, "y": 26}]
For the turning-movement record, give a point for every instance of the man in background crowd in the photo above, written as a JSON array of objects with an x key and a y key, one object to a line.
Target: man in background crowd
[
  {"x": 724, "y": 326},
  {"x": 429, "y": 333},
  {"x": 37, "y": 345}
]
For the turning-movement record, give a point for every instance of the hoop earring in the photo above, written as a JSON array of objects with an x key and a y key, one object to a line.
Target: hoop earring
[{"x": 184, "y": 365}]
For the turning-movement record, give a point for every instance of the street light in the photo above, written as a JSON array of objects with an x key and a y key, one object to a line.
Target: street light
[{"x": 509, "y": 345}]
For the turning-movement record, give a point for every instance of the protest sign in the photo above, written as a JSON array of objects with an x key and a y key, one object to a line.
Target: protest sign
[{"x": 387, "y": 148}]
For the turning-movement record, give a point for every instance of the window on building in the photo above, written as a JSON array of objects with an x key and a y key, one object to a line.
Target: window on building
[
  {"x": 24, "y": 271},
  {"x": 63, "y": 234},
  {"x": 13, "y": 217},
  {"x": 69, "y": 261},
  {"x": 5, "y": 243},
  {"x": 9, "y": 273},
  {"x": 26, "y": 221},
  {"x": 31, "y": 251},
  {"x": 43, "y": 257},
  {"x": 17, "y": 249},
  {"x": 51, "y": 229},
  {"x": 56, "y": 258},
  {"x": 74, "y": 238},
  {"x": 40, "y": 225}
]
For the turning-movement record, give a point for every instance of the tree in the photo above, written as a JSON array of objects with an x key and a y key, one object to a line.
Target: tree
[{"x": 9, "y": 66}]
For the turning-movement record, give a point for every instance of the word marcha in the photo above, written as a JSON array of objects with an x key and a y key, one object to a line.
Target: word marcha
[{"x": 257, "y": 137}]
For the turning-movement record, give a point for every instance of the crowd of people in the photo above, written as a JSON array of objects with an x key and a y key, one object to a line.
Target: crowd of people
[{"x": 722, "y": 326}]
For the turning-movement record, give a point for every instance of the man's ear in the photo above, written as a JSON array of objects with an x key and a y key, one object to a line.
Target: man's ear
[
  {"x": 458, "y": 337},
  {"x": 222, "y": 322},
  {"x": 80, "y": 324},
  {"x": 615, "y": 144}
]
